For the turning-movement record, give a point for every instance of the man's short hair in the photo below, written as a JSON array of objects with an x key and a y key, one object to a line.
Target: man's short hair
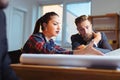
[{"x": 81, "y": 19}]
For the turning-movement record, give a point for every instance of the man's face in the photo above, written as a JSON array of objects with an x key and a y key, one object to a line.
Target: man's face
[
  {"x": 3, "y": 4},
  {"x": 85, "y": 29}
]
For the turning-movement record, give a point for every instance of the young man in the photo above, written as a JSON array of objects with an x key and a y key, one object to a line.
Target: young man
[
  {"x": 6, "y": 73},
  {"x": 87, "y": 34}
]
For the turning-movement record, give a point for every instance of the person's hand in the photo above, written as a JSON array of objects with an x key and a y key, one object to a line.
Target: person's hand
[
  {"x": 80, "y": 47},
  {"x": 89, "y": 50},
  {"x": 97, "y": 37}
]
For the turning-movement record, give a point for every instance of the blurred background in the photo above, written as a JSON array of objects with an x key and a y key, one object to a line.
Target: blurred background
[{"x": 22, "y": 15}]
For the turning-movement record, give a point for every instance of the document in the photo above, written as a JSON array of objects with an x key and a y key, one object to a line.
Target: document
[
  {"x": 114, "y": 53},
  {"x": 110, "y": 60}
]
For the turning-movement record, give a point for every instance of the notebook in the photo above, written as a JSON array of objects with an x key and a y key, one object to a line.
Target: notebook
[{"x": 110, "y": 60}]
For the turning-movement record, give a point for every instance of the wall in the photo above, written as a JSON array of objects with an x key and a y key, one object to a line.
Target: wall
[
  {"x": 42, "y": 2},
  {"x": 31, "y": 9},
  {"x": 100, "y": 7}
]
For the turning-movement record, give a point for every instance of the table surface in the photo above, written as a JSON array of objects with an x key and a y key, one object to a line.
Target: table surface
[{"x": 39, "y": 72}]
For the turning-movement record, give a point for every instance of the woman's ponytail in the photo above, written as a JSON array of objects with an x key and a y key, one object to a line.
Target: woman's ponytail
[
  {"x": 44, "y": 19},
  {"x": 37, "y": 26}
]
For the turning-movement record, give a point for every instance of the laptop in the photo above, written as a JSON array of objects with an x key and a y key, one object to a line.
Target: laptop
[{"x": 110, "y": 60}]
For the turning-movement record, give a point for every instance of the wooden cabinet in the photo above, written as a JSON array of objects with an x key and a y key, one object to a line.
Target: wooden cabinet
[{"x": 109, "y": 24}]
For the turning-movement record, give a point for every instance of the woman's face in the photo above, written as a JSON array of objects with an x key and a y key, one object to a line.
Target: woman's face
[{"x": 52, "y": 28}]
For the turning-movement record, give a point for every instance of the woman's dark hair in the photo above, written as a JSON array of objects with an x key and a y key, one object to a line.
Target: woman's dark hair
[{"x": 44, "y": 19}]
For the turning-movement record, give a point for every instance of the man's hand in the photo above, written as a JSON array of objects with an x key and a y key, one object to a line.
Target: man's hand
[
  {"x": 88, "y": 50},
  {"x": 80, "y": 47},
  {"x": 97, "y": 37}
]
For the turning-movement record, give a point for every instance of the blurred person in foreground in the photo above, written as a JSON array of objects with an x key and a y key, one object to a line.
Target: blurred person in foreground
[{"x": 6, "y": 72}]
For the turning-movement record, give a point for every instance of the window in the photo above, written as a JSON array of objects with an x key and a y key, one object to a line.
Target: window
[
  {"x": 68, "y": 13},
  {"x": 73, "y": 11}
]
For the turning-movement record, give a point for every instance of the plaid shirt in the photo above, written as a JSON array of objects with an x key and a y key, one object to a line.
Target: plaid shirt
[{"x": 38, "y": 44}]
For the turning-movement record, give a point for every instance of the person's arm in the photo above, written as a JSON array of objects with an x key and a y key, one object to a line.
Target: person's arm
[
  {"x": 46, "y": 47},
  {"x": 75, "y": 44},
  {"x": 88, "y": 50},
  {"x": 102, "y": 50},
  {"x": 101, "y": 39},
  {"x": 60, "y": 50},
  {"x": 104, "y": 45},
  {"x": 97, "y": 38},
  {"x": 50, "y": 48},
  {"x": 84, "y": 49},
  {"x": 80, "y": 47},
  {"x": 8, "y": 73}
]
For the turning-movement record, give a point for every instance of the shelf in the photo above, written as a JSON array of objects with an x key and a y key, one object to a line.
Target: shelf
[
  {"x": 106, "y": 30},
  {"x": 104, "y": 16},
  {"x": 109, "y": 24}
]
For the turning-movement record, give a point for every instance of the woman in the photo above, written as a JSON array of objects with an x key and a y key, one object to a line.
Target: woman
[{"x": 42, "y": 42}]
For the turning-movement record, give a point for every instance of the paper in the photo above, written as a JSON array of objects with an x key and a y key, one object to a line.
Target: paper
[
  {"x": 114, "y": 53},
  {"x": 71, "y": 60}
]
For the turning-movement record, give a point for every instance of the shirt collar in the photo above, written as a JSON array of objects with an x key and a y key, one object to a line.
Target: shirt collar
[{"x": 47, "y": 39}]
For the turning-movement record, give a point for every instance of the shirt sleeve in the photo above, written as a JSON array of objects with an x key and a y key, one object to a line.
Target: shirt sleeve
[
  {"x": 105, "y": 43},
  {"x": 41, "y": 46},
  {"x": 104, "y": 46},
  {"x": 75, "y": 43},
  {"x": 59, "y": 50}
]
